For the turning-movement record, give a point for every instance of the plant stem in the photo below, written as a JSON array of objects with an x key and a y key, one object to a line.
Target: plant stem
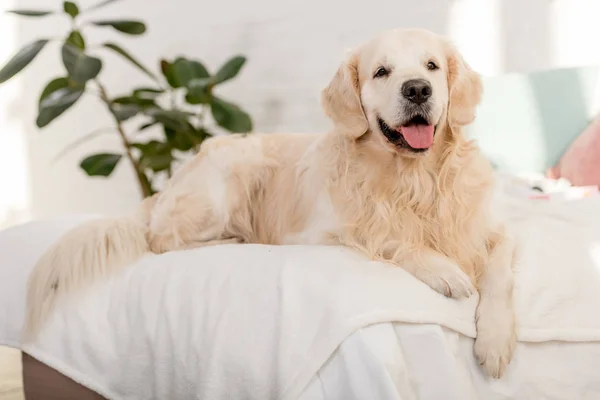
[{"x": 143, "y": 181}]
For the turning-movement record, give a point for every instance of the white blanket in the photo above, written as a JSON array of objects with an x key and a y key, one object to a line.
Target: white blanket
[
  {"x": 399, "y": 361},
  {"x": 257, "y": 322}
]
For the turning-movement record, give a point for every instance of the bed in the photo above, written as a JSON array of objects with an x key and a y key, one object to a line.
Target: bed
[{"x": 325, "y": 323}]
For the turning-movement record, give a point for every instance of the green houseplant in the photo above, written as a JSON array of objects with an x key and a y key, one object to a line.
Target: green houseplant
[{"x": 179, "y": 99}]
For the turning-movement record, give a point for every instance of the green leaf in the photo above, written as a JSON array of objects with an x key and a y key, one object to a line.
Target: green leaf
[
  {"x": 186, "y": 70},
  {"x": 183, "y": 141},
  {"x": 198, "y": 91},
  {"x": 147, "y": 93},
  {"x": 76, "y": 40},
  {"x": 182, "y": 71},
  {"x": 196, "y": 137},
  {"x": 167, "y": 70},
  {"x": 119, "y": 50},
  {"x": 21, "y": 59},
  {"x": 125, "y": 111},
  {"x": 101, "y": 164},
  {"x": 201, "y": 135},
  {"x": 158, "y": 162},
  {"x": 148, "y": 90},
  {"x": 141, "y": 102},
  {"x": 81, "y": 68},
  {"x": 151, "y": 147},
  {"x": 176, "y": 120},
  {"x": 30, "y": 13},
  {"x": 125, "y": 26},
  {"x": 229, "y": 70},
  {"x": 56, "y": 100},
  {"x": 199, "y": 69},
  {"x": 155, "y": 155},
  {"x": 101, "y": 4},
  {"x": 230, "y": 116},
  {"x": 147, "y": 125},
  {"x": 53, "y": 86},
  {"x": 71, "y": 8}
]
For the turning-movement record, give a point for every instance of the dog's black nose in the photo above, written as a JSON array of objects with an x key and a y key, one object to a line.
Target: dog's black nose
[{"x": 416, "y": 91}]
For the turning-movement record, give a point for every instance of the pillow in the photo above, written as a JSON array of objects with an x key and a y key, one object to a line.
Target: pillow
[
  {"x": 580, "y": 164},
  {"x": 542, "y": 123}
]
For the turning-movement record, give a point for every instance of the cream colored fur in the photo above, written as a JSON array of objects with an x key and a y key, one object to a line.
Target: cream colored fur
[{"x": 428, "y": 213}]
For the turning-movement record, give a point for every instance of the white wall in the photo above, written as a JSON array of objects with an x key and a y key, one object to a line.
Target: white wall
[{"x": 293, "y": 49}]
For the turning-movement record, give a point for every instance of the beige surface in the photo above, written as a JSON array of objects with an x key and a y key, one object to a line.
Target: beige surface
[{"x": 10, "y": 374}]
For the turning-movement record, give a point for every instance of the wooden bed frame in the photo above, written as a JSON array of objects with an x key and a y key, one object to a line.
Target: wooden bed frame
[{"x": 40, "y": 382}]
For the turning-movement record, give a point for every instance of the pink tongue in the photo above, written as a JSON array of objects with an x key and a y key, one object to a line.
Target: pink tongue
[{"x": 418, "y": 136}]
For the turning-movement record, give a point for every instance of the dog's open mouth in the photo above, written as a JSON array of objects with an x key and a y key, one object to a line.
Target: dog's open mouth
[{"x": 416, "y": 134}]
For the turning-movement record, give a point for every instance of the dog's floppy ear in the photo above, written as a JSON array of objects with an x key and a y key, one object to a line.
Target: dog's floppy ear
[
  {"x": 341, "y": 99},
  {"x": 465, "y": 89}
]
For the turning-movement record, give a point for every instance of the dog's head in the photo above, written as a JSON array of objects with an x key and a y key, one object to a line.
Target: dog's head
[{"x": 402, "y": 87}]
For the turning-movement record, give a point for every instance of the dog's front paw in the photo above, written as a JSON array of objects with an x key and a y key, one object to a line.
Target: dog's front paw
[
  {"x": 496, "y": 341},
  {"x": 445, "y": 277},
  {"x": 493, "y": 353}
]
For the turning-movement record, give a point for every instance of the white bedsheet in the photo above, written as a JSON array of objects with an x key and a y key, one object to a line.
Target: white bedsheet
[{"x": 258, "y": 322}]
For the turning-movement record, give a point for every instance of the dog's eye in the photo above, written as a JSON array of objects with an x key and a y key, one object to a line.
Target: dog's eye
[
  {"x": 432, "y": 66},
  {"x": 381, "y": 72}
]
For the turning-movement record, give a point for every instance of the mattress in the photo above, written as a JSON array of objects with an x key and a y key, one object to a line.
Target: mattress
[
  {"x": 261, "y": 322},
  {"x": 187, "y": 324}
]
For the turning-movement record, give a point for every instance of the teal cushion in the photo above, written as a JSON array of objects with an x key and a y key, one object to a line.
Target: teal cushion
[{"x": 526, "y": 121}]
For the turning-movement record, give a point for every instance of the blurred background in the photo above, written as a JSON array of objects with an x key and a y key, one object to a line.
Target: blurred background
[{"x": 292, "y": 50}]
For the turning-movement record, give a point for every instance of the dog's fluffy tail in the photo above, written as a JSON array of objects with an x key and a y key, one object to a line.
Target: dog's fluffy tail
[{"x": 83, "y": 254}]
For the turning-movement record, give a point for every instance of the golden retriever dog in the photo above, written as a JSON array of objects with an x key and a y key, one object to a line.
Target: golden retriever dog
[{"x": 395, "y": 178}]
